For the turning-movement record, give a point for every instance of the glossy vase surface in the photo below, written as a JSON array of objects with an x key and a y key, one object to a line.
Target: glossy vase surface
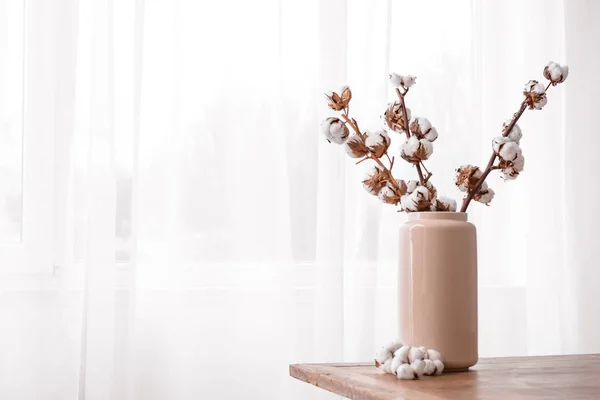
[{"x": 437, "y": 286}]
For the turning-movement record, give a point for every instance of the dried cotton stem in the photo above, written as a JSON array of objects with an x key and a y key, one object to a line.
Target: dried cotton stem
[{"x": 406, "y": 129}]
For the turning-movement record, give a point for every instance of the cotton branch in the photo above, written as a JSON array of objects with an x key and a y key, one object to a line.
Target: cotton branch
[
  {"x": 391, "y": 180},
  {"x": 490, "y": 165},
  {"x": 406, "y": 129}
]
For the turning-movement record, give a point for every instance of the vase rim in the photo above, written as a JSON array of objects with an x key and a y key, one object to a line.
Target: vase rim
[{"x": 438, "y": 215}]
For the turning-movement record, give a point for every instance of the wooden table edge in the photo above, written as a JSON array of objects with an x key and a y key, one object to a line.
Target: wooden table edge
[{"x": 334, "y": 384}]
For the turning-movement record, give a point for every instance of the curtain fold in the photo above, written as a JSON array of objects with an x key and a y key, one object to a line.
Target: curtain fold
[{"x": 200, "y": 235}]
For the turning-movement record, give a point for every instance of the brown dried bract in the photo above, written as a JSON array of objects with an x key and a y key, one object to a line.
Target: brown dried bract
[
  {"x": 393, "y": 117},
  {"x": 432, "y": 190},
  {"x": 376, "y": 181},
  {"x": 440, "y": 206},
  {"x": 402, "y": 186},
  {"x": 419, "y": 155},
  {"x": 381, "y": 148},
  {"x": 482, "y": 192},
  {"x": 356, "y": 145},
  {"x": 339, "y": 102},
  {"x": 415, "y": 129},
  {"x": 422, "y": 203},
  {"x": 467, "y": 175},
  {"x": 394, "y": 198}
]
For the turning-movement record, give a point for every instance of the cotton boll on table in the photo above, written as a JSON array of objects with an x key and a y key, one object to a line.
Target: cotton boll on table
[
  {"x": 405, "y": 372},
  {"x": 408, "y": 362}
]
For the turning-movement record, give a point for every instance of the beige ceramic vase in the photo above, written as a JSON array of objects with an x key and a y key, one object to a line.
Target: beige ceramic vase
[{"x": 437, "y": 286}]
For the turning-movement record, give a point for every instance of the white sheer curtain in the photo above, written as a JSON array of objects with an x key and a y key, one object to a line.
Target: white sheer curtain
[{"x": 173, "y": 226}]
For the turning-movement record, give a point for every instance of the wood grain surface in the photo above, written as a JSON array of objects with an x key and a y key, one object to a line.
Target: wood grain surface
[{"x": 548, "y": 377}]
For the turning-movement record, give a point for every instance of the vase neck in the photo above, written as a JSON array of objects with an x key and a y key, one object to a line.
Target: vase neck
[{"x": 438, "y": 215}]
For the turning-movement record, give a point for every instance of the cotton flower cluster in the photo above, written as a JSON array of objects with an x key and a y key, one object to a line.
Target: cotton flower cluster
[
  {"x": 335, "y": 130},
  {"x": 556, "y": 73},
  {"x": 509, "y": 152},
  {"x": 535, "y": 95},
  {"x": 408, "y": 362},
  {"x": 378, "y": 142},
  {"x": 374, "y": 145},
  {"x": 418, "y": 135},
  {"x": 415, "y": 150},
  {"x": 394, "y": 116},
  {"x": 405, "y": 81},
  {"x": 355, "y": 147},
  {"x": 378, "y": 182},
  {"x": 422, "y": 129},
  {"x": 466, "y": 180},
  {"x": 419, "y": 146},
  {"x": 420, "y": 197}
]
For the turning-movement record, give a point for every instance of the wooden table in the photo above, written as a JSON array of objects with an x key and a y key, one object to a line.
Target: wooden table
[{"x": 551, "y": 377}]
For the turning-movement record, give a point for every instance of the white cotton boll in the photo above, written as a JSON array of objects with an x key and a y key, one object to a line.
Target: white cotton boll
[
  {"x": 423, "y": 123},
  {"x": 378, "y": 142},
  {"x": 444, "y": 203},
  {"x": 424, "y": 350},
  {"x": 421, "y": 192},
  {"x": 411, "y": 186},
  {"x": 538, "y": 88},
  {"x": 498, "y": 142},
  {"x": 407, "y": 203},
  {"x": 418, "y": 366},
  {"x": 429, "y": 367},
  {"x": 439, "y": 367},
  {"x": 408, "y": 80},
  {"x": 383, "y": 354},
  {"x": 411, "y": 145},
  {"x": 509, "y": 151},
  {"x": 335, "y": 130},
  {"x": 512, "y": 171},
  {"x": 421, "y": 128},
  {"x": 394, "y": 345},
  {"x": 485, "y": 196},
  {"x": 402, "y": 353},
  {"x": 396, "y": 363},
  {"x": 540, "y": 103},
  {"x": 519, "y": 163},
  {"x": 387, "y": 366},
  {"x": 395, "y": 79},
  {"x": 565, "y": 72},
  {"x": 432, "y": 135},
  {"x": 339, "y": 132},
  {"x": 428, "y": 146},
  {"x": 535, "y": 87},
  {"x": 420, "y": 200},
  {"x": 515, "y": 133},
  {"x": 555, "y": 72},
  {"x": 434, "y": 355},
  {"x": 415, "y": 353},
  {"x": 377, "y": 138},
  {"x": 405, "y": 372}
]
